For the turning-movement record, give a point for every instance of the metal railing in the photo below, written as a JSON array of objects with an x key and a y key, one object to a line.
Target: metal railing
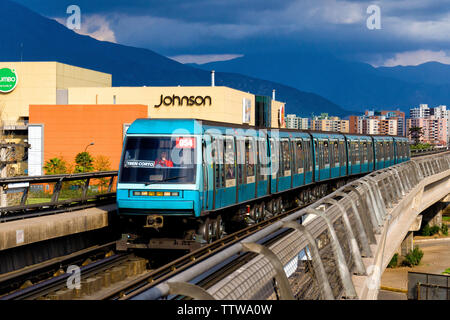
[
  {"x": 428, "y": 151},
  {"x": 28, "y": 194},
  {"x": 427, "y": 286},
  {"x": 324, "y": 249}
]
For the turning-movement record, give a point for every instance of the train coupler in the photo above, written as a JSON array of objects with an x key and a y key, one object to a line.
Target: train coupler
[{"x": 154, "y": 221}]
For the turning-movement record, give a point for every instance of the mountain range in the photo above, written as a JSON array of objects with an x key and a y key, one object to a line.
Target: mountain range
[
  {"x": 309, "y": 82},
  {"x": 352, "y": 85},
  {"x": 29, "y": 36}
]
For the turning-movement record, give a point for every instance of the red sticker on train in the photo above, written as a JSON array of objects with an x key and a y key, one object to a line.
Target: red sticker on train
[{"x": 185, "y": 143}]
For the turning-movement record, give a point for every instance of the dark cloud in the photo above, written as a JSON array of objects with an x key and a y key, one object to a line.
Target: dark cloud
[{"x": 175, "y": 27}]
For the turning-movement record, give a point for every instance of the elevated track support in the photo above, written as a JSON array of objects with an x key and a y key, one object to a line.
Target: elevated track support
[{"x": 336, "y": 248}]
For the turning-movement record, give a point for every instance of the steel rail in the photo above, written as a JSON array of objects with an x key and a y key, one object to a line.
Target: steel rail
[
  {"x": 169, "y": 270},
  {"x": 10, "y": 281},
  {"x": 51, "y": 285}
]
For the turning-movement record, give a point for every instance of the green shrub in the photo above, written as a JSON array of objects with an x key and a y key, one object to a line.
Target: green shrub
[
  {"x": 447, "y": 271},
  {"x": 413, "y": 258},
  {"x": 444, "y": 229},
  {"x": 429, "y": 231},
  {"x": 394, "y": 261}
]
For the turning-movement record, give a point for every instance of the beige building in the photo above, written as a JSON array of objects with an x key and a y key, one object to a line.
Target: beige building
[
  {"x": 47, "y": 83},
  {"x": 42, "y": 83},
  {"x": 207, "y": 103},
  {"x": 333, "y": 124},
  {"x": 51, "y": 83}
]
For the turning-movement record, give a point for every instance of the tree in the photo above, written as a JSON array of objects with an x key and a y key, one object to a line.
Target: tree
[
  {"x": 84, "y": 162},
  {"x": 102, "y": 163},
  {"x": 55, "y": 166},
  {"x": 416, "y": 133}
]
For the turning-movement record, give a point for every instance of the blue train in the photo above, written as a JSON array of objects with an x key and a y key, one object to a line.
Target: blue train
[{"x": 202, "y": 176}]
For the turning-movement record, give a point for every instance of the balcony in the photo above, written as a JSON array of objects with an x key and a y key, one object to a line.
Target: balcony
[{"x": 14, "y": 124}]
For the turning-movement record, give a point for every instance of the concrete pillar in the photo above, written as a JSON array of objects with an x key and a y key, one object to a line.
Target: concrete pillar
[
  {"x": 407, "y": 244},
  {"x": 433, "y": 215}
]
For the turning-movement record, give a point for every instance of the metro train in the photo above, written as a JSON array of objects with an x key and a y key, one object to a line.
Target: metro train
[{"x": 203, "y": 176}]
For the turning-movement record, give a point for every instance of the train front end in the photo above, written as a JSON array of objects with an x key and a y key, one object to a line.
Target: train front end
[{"x": 158, "y": 180}]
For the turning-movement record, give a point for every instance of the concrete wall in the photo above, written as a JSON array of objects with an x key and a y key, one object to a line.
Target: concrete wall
[{"x": 68, "y": 129}]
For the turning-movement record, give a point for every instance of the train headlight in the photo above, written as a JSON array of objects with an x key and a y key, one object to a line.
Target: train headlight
[{"x": 156, "y": 193}]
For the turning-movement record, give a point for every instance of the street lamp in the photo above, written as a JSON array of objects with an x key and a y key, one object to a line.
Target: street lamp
[{"x": 90, "y": 144}]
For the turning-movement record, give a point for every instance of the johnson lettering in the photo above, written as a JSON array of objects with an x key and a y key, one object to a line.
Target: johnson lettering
[{"x": 185, "y": 100}]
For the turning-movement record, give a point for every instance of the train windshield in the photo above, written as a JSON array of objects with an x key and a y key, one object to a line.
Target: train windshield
[{"x": 155, "y": 160}]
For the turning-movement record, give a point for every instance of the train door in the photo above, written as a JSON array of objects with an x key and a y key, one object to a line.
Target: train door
[
  {"x": 299, "y": 169},
  {"x": 284, "y": 177},
  {"x": 358, "y": 156},
  {"x": 240, "y": 156},
  {"x": 207, "y": 170},
  {"x": 275, "y": 164},
  {"x": 335, "y": 163},
  {"x": 369, "y": 156},
  {"x": 229, "y": 196},
  {"x": 248, "y": 188},
  {"x": 219, "y": 179},
  {"x": 308, "y": 160},
  {"x": 364, "y": 159},
  {"x": 316, "y": 160},
  {"x": 262, "y": 170},
  {"x": 380, "y": 155},
  {"x": 342, "y": 159},
  {"x": 326, "y": 167},
  {"x": 387, "y": 156}
]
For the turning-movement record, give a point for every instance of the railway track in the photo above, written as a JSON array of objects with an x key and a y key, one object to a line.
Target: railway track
[
  {"x": 163, "y": 273},
  {"x": 100, "y": 267},
  {"x": 110, "y": 275},
  {"x": 99, "y": 282}
]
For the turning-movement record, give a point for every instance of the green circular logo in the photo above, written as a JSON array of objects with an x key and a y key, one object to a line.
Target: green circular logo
[{"x": 8, "y": 80}]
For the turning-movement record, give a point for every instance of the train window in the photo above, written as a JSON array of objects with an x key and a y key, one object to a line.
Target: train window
[
  {"x": 250, "y": 160},
  {"x": 218, "y": 156},
  {"x": 364, "y": 152},
  {"x": 309, "y": 159},
  {"x": 168, "y": 160},
  {"x": 204, "y": 166},
  {"x": 286, "y": 155},
  {"x": 230, "y": 169},
  {"x": 369, "y": 152},
  {"x": 403, "y": 149},
  {"x": 274, "y": 154},
  {"x": 307, "y": 155},
  {"x": 386, "y": 150},
  {"x": 342, "y": 153},
  {"x": 326, "y": 154},
  {"x": 380, "y": 151},
  {"x": 240, "y": 146},
  {"x": 262, "y": 160},
  {"x": 299, "y": 156},
  {"x": 317, "y": 152},
  {"x": 357, "y": 153},
  {"x": 335, "y": 162}
]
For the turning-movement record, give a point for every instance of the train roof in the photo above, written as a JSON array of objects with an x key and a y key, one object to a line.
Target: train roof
[{"x": 168, "y": 125}]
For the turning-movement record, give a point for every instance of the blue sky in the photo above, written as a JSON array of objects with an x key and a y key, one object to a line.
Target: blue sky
[{"x": 412, "y": 31}]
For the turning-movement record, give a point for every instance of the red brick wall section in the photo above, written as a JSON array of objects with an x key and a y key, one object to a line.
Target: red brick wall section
[{"x": 68, "y": 129}]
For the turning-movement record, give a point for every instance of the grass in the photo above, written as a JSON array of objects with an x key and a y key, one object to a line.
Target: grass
[{"x": 446, "y": 218}]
